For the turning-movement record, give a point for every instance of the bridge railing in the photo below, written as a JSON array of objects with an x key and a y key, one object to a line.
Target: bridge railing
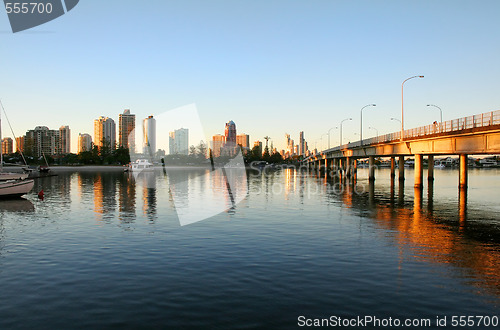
[{"x": 481, "y": 120}]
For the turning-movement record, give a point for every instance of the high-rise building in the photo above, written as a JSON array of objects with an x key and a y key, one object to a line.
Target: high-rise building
[
  {"x": 258, "y": 144},
  {"x": 243, "y": 140},
  {"x": 181, "y": 141},
  {"x": 104, "y": 132},
  {"x": 230, "y": 133},
  {"x": 302, "y": 144},
  {"x": 218, "y": 142},
  {"x": 7, "y": 146},
  {"x": 65, "y": 139},
  {"x": 171, "y": 143},
  {"x": 42, "y": 141},
  {"x": 126, "y": 124},
  {"x": 20, "y": 144},
  {"x": 149, "y": 136},
  {"x": 84, "y": 142}
]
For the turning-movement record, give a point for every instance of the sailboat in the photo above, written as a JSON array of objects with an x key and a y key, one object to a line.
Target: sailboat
[{"x": 12, "y": 184}]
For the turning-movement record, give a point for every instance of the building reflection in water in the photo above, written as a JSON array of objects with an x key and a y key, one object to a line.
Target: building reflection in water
[
  {"x": 197, "y": 197},
  {"x": 126, "y": 199},
  {"x": 104, "y": 196}
]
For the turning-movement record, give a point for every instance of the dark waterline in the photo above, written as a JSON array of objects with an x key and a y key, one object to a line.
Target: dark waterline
[{"x": 104, "y": 250}]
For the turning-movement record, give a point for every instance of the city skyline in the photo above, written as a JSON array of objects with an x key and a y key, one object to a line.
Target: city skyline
[{"x": 304, "y": 67}]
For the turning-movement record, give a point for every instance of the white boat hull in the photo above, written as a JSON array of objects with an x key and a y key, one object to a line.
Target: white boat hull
[
  {"x": 15, "y": 188},
  {"x": 13, "y": 176}
]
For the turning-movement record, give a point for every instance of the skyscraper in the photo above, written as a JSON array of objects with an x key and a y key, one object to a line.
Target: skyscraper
[
  {"x": 126, "y": 124},
  {"x": 104, "y": 132},
  {"x": 20, "y": 144},
  {"x": 243, "y": 140},
  {"x": 230, "y": 133},
  {"x": 302, "y": 149},
  {"x": 42, "y": 141},
  {"x": 171, "y": 143},
  {"x": 182, "y": 141},
  {"x": 258, "y": 144},
  {"x": 218, "y": 142},
  {"x": 84, "y": 142},
  {"x": 149, "y": 136},
  {"x": 7, "y": 146},
  {"x": 65, "y": 139}
]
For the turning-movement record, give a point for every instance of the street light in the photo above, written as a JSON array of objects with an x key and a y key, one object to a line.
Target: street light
[
  {"x": 440, "y": 111},
  {"x": 396, "y": 120},
  {"x": 361, "y": 122},
  {"x": 329, "y": 136},
  {"x": 402, "y": 112},
  {"x": 341, "y": 128}
]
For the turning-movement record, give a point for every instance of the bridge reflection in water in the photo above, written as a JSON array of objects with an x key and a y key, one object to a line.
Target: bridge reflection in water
[{"x": 429, "y": 229}]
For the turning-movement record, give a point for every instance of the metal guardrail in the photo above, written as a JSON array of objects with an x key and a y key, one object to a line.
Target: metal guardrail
[{"x": 482, "y": 120}]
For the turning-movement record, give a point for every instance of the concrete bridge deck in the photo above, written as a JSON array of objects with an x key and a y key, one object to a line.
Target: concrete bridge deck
[{"x": 473, "y": 135}]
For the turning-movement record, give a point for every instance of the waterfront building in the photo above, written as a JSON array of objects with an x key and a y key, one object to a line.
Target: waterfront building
[
  {"x": 302, "y": 143},
  {"x": 105, "y": 132},
  {"x": 42, "y": 141},
  {"x": 126, "y": 127},
  {"x": 20, "y": 144},
  {"x": 7, "y": 146},
  {"x": 243, "y": 140},
  {"x": 230, "y": 133},
  {"x": 218, "y": 142},
  {"x": 65, "y": 139},
  {"x": 258, "y": 144},
  {"x": 149, "y": 136},
  {"x": 179, "y": 141},
  {"x": 84, "y": 142}
]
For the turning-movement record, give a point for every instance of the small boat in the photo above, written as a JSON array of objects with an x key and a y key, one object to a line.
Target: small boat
[
  {"x": 141, "y": 165},
  {"x": 12, "y": 184},
  {"x": 440, "y": 165},
  {"x": 15, "y": 188}
]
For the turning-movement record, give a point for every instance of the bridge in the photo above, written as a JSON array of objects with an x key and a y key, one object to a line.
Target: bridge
[{"x": 473, "y": 135}]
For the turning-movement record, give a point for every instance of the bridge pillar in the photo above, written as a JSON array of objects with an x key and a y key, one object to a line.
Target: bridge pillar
[
  {"x": 463, "y": 171},
  {"x": 348, "y": 167},
  {"x": 355, "y": 168},
  {"x": 326, "y": 165},
  {"x": 371, "y": 167},
  {"x": 419, "y": 173},
  {"x": 401, "y": 168},
  {"x": 393, "y": 167},
  {"x": 430, "y": 168}
]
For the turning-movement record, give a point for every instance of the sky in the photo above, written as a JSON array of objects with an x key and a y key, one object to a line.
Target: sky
[{"x": 271, "y": 66}]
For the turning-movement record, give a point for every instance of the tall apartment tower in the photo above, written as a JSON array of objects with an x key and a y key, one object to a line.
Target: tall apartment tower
[
  {"x": 149, "y": 136},
  {"x": 126, "y": 124},
  {"x": 84, "y": 142},
  {"x": 7, "y": 146},
  {"x": 42, "y": 141},
  {"x": 104, "y": 132},
  {"x": 230, "y": 133},
  {"x": 243, "y": 140},
  {"x": 182, "y": 141},
  {"x": 65, "y": 139},
  {"x": 20, "y": 144},
  {"x": 218, "y": 142},
  {"x": 302, "y": 149}
]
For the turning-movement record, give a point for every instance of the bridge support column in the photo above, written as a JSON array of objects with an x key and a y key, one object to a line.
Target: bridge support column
[
  {"x": 430, "y": 168},
  {"x": 419, "y": 173},
  {"x": 371, "y": 167},
  {"x": 355, "y": 168},
  {"x": 401, "y": 168},
  {"x": 393, "y": 167},
  {"x": 463, "y": 171},
  {"x": 326, "y": 165},
  {"x": 348, "y": 167}
]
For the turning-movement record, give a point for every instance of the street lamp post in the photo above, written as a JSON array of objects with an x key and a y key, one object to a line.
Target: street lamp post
[
  {"x": 402, "y": 112},
  {"x": 440, "y": 112},
  {"x": 396, "y": 120},
  {"x": 341, "y": 128},
  {"x": 329, "y": 136},
  {"x": 361, "y": 122}
]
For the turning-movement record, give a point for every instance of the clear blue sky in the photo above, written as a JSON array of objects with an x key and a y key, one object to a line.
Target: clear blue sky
[{"x": 270, "y": 66}]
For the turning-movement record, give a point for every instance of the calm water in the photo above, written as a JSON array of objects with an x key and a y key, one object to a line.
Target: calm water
[{"x": 103, "y": 250}]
